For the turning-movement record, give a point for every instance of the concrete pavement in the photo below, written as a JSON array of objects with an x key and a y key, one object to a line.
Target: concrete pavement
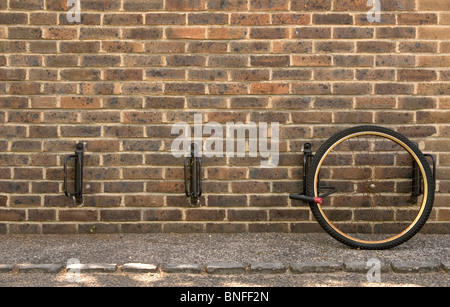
[{"x": 193, "y": 260}]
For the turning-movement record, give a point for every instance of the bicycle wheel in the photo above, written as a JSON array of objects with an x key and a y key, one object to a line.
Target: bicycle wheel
[{"x": 383, "y": 187}]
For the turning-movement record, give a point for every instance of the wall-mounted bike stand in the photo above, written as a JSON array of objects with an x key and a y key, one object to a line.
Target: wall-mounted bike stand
[
  {"x": 307, "y": 158},
  {"x": 417, "y": 180},
  {"x": 193, "y": 177},
  {"x": 77, "y": 195}
]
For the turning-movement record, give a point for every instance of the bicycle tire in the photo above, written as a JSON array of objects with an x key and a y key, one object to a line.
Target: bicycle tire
[{"x": 426, "y": 202}]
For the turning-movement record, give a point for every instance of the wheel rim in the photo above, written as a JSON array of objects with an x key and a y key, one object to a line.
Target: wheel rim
[{"x": 371, "y": 205}]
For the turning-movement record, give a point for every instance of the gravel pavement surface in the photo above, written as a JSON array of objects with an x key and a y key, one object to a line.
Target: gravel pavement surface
[{"x": 219, "y": 260}]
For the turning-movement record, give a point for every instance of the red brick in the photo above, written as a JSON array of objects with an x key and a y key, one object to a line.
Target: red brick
[
  {"x": 24, "y": 33},
  {"x": 25, "y": 88},
  {"x": 269, "y": 5},
  {"x": 269, "y": 88},
  {"x": 60, "y": 33},
  {"x": 249, "y": 19},
  {"x": 143, "y": 5},
  {"x": 347, "y": 5},
  {"x": 43, "y": 18},
  {"x": 416, "y": 75},
  {"x": 417, "y": 19},
  {"x": 7, "y": 18},
  {"x": 26, "y": 5},
  {"x": 226, "y": 33},
  {"x": 80, "y": 103},
  {"x": 310, "y": 88},
  {"x": 185, "y": 5},
  {"x": 185, "y": 33},
  {"x": 332, "y": 19},
  {"x": 437, "y": 5},
  {"x": 142, "y": 33},
  {"x": 100, "y": 5},
  {"x": 311, "y": 33},
  {"x": 124, "y": 74},
  {"x": 205, "y": 215},
  {"x": 269, "y": 33},
  {"x": 439, "y": 33},
  {"x": 165, "y": 19},
  {"x": 123, "y": 19},
  {"x": 311, "y": 60},
  {"x": 306, "y": 5},
  {"x": 185, "y": 88},
  {"x": 290, "y": 19},
  {"x": 229, "y": 5},
  {"x": 433, "y": 61},
  {"x": 208, "y": 19},
  {"x": 269, "y": 61},
  {"x": 122, "y": 47}
]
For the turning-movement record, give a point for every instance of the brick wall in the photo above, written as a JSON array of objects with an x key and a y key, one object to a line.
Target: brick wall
[{"x": 121, "y": 77}]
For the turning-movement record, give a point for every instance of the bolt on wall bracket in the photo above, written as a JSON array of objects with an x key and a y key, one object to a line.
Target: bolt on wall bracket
[
  {"x": 193, "y": 176},
  {"x": 78, "y": 157}
]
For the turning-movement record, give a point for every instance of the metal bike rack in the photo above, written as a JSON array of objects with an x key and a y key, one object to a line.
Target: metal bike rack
[
  {"x": 307, "y": 158},
  {"x": 417, "y": 189},
  {"x": 193, "y": 177},
  {"x": 78, "y": 157}
]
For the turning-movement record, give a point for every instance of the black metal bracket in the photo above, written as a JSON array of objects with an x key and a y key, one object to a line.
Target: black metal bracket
[
  {"x": 417, "y": 188},
  {"x": 433, "y": 160},
  {"x": 307, "y": 158},
  {"x": 193, "y": 177},
  {"x": 78, "y": 157}
]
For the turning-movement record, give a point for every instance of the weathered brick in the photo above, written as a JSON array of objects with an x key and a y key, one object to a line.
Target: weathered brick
[
  {"x": 311, "y": 33},
  {"x": 26, "y": 5},
  {"x": 438, "y": 5},
  {"x": 271, "y": 33},
  {"x": 269, "y": 5},
  {"x": 7, "y": 18},
  {"x": 96, "y": 33},
  {"x": 12, "y": 74},
  {"x": 143, "y": 5},
  {"x": 185, "y": 33},
  {"x": 185, "y": 5},
  {"x": 120, "y": 215},
  {"x": 346, "y": 5},
  {"x": 311, "y": 60},
  {"x": 24, "y": 33},
  {"x": 290, "y": 19},
  {"x": 269, "y": 61},
  {"x": 165, "y": 19},
  {"x": 60, "y": 33},
  {"x": 440, "y": 33},
  {"x": 226, "y": 33},
  {"x": 61, "y": 61},
  {"x": 249, "y": 19},
  {"x": 142, "y": 33},
  {"x": 100, "y": 5},
  {"x": 332, "y": 19},
  {"x": 416, "y": 75},
  {"x": 207, "y": 19},
  {"x": 227, "y": 5},
  {"x": 395, "y": 32},
  {"x": 417, "y": 19},
  {"x": 122, "y": 47},
  {"x": 185, "y": 88},
  {"x": 375, "y": 46},
  {"x": 305, "y": 5}
]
